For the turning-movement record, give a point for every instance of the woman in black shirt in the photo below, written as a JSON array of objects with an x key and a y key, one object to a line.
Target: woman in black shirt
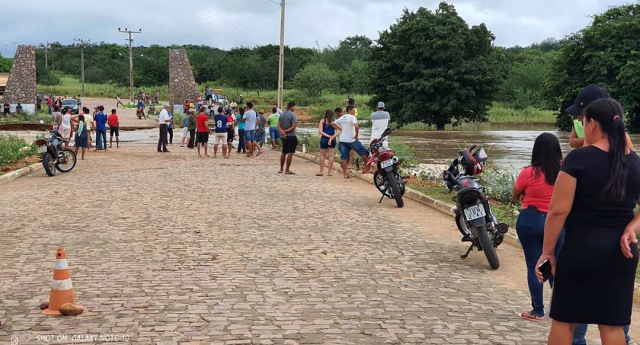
[{"x": 594, "y": 198}]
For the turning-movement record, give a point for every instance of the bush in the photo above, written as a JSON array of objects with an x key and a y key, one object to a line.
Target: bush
[
  {"x": 310, "y": 140},
  {"x": 177, "y": 120},
  {"x": 14, "y": 149},
  {"x": 499, "y": 184}
]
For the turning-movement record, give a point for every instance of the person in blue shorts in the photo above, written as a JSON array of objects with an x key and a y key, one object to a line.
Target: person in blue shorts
[{"x": 349, "y": 130}]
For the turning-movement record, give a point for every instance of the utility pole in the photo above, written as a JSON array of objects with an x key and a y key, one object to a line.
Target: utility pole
[
  {"x": 15, "y": 49},
  {"x": 281, "y": 68},
  {"x": 81, "y": 61},
  {"x": 127, "y": 31},
  {"x": 46, "y": 56}
]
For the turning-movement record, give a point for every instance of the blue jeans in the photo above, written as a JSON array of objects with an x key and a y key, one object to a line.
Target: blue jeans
[
  {"x": 102, "y": 139},
  {"x": 274, "y": 133},
  {"x": 581, "y": 332},
  {"x": 345, "y": 149},
  {"x": 250, "y": 135},
  {"x": 530, "y": 229},
  {"x": 241, "y": 144}
]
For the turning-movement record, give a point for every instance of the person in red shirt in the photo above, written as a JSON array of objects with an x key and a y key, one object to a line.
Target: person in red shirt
[
  {"x": 202, "y": 121},
  {"x": 534, "y": 187},
  {"x": 114, "y": 124}
]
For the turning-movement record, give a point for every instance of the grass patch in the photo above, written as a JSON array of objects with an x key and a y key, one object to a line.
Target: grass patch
[
  {"x": 14, "y": 149},
  {"x": 498, "y": 115}
]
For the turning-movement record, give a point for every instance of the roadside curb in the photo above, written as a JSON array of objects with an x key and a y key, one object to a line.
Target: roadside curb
[
  {"x": 510, "y": 238},
  {"x": 19, "y": 173}
]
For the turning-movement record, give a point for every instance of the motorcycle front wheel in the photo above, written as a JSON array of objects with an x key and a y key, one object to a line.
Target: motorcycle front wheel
[
  {"x": 67, "y": 161},
  {"x": 49, "y": 164},
  {"x": 487, "y": 247},
  {"x": 394, "y": 186}
]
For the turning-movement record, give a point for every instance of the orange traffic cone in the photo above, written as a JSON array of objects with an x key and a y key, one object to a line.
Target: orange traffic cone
[{"x": 61, "y": 287}]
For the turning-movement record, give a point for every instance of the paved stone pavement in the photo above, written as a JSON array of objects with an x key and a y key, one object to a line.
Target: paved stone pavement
[{"x": 172, "y": 249}]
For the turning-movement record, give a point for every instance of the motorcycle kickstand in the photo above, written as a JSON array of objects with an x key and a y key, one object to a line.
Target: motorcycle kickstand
[
  {"x": 381, "y": 199},
  {"x": 466, "y": 255}
]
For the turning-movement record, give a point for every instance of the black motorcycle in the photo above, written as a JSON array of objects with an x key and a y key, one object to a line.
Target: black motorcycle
[
  {"x": 54, "y": 156},
  {"x": 387, "y": 176},
  {"x": 475, "y": 219}
]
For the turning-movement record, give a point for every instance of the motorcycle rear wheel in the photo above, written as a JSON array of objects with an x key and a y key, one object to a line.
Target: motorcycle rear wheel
[
  {"x": 488, "y": 247},
  {"x": 49, "y": 164},
  {"x": 395, "y": 188},
  {"x": 69, "y": 158}
]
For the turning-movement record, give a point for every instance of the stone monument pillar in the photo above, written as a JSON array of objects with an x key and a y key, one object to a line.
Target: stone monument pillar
[
  {"x": 21, "y": 86},
  {"x": 182, "y": 84}
]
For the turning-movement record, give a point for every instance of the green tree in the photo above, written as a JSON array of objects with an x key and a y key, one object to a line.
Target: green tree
[
  {"x": 431, "y": 67},
  {"x": 315, "y": 78},
  {"x": 355, "y": 78},
  {"x": 607, "y": 52},
  {"x": 526, "y": 74},
  {"x": 5, "y": 65}
]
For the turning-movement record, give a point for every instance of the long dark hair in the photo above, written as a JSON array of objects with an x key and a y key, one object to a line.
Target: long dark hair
[
  {"x": 546, "y": 157},
  {"x": 608, "y": 113},
  {"x": 328, "y": 117}
]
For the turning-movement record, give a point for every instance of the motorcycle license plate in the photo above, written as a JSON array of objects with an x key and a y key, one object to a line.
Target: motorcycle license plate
[
  {"x": 42, "y": 148},
  {"x": 386, "y": 164},
  {"x": 475, "y": 212}
]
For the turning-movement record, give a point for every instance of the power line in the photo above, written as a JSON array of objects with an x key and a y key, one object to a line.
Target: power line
[
  {"x": 249, "y": 18},
  {"x": 252, "y": 23},
  {"x": 172, "y": 21}
]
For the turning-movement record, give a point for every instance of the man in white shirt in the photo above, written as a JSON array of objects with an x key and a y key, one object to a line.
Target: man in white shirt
[
  {"x": 379, "y": 123},
  {"x": 349, "y": 131},
  {"x": 163, "y": 120}
]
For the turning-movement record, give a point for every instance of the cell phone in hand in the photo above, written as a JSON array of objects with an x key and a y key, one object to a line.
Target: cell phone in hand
[{"x": 545, "y": 269}]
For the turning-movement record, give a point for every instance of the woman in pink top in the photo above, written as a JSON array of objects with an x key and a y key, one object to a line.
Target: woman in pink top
[{"x": 534, "y": 187}]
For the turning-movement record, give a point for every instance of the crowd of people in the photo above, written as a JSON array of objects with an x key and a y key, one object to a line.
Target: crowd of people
[{"x": 578, "y": 215}]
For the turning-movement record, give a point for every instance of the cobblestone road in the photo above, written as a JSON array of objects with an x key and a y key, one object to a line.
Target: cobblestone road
[{"x": 172, "y": 249}]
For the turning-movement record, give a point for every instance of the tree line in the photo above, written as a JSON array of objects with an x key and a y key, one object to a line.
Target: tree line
[{"x": 430, "y": 66}]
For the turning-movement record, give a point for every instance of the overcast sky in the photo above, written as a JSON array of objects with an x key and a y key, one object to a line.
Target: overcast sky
[{"x": 309, "y": 23}]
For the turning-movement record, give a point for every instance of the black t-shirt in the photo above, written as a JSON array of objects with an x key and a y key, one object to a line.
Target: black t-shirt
[{"x": 590, "y": 166}]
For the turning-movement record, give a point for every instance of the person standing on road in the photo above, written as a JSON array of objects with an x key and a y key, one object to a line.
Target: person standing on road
[
  {"x": 242, "y": 148},
  {"x": 534, "y": 187},
  {"x": 220, "y": 121},
  {"x": 170, "y": 130},
  {"x": 287, "y": 125},
  {"x": 231, "y": 129},
  {"x": 101, "y": 129},
  {"x": 379, "y": 123},
  {"x": 277, "y": 109},
  {"x": 114, "y": 126},
  {"x": 202, "y": 138},
  {"x": 208, "y": 93},
  {"x": 260, "y": 131},
  {"x": 349, "y": 131},
  {"x": 327, "y": 141},
  {"x": 65, "y": 125},
  {"x": 594, "y": 199},
  {"x": 250, "y": 119},
  {"x": 56, "y": 116},
  {"x": 163, "y": 121},
  {"x": 185, "y": 129},
  {"x": 577, "y": 139},
  {"x": 274, "y": 133},
  {"x": 81, "y": 135},
  {"x": 119, "y": 102},
  {"x": 192, "y": 125}
]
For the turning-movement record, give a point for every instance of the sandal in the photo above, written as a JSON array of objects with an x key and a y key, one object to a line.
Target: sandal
[
  {"x": 320, "y": 174},
  {"x": 532, "y": 316}
]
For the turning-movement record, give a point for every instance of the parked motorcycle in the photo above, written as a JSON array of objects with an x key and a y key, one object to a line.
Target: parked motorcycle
[
  {"x": 475, "y": 219},
  {"x": 387, "y": 176},
  {"x": 140, "y": 113},
  {"x": 54, "y": 156}
]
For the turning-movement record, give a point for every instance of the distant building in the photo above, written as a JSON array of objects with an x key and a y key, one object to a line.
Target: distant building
[{"x": 4, "y": 77}]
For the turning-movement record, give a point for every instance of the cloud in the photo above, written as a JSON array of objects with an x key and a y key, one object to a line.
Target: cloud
[{"x": 309, "y": 23}]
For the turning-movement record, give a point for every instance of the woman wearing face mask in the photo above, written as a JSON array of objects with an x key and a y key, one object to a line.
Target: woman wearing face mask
[{"x": 594, "y": 199}]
